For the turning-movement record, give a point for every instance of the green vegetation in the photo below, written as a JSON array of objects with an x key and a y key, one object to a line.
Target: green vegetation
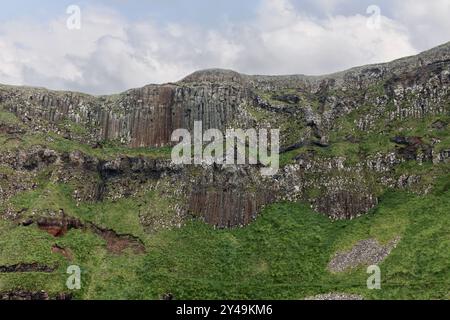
[
  {"x": 288, "y": 157},
  {"x": 121, "y": 216},
  {"x": 73, "y": 127},
  {"x": 283, "y": 255},
  {"x": 60, "y": 144},
  {"x": 356, "y": 145},
  {"x": 8, "y": 118}
]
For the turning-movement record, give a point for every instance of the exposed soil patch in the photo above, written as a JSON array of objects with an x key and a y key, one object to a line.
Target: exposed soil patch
[
  {"x": 62, "y": 251},
  {"x": 58, "y": 227},
  {"x": 27, "y": 267},
  {"x": 116, "y": 243},
  {"x": 336, "y": 296},
  {"x": 366, "y": 252},
  {"x": 32, "y": 295}
]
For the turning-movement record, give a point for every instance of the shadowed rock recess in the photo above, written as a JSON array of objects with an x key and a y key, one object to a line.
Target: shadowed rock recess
[{"x": 343, "y": 136}]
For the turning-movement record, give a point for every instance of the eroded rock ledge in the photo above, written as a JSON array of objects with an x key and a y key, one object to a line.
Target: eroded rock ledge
[
  {"x": 27, "y": 267},
  {"x": 308, "y": 109},
  {"x": 32, "y": 295},
  {"x": 223, "y": 196}
]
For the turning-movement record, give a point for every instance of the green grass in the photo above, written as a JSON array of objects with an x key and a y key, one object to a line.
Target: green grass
[
  {"x": 73, "y": 127},
  {"x": 288, "y": 157},
  {"x": 60, "y": 144},
  {"x": 121, "y": 215},
  {"x": 283, "y": 255},
  {"x": 8, "y": 118}
]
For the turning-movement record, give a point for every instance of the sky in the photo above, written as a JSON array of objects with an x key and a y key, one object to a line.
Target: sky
[{"x": 103, "y": 47}]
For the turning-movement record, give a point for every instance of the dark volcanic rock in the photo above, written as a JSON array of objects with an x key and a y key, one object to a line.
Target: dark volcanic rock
[
  {"x": 24, "y": 295},
  {"x": 227, "y": 208},
  {"x": 32, "y": 296},
  {"x": 439, "y": 125},
  {"x": 36, "y": 158},
  {"x": 288, "y": 98},
  {"x": 229, "y": 196},
  {"x": 345, "y": 204},
  {"x": 412, "y": 145},
  {"x": 376, "y": 96},
  {"x": 27, "y": 267}
]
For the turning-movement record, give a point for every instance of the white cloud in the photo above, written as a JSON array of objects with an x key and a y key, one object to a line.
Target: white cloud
[
  {"x": 289, "y": 42},
  {"x": 111, "y": 53},
  {"x": 428, "y": 22}
]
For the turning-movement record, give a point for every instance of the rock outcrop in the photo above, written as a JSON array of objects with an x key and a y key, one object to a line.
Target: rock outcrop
[
  {"x": 364, "y": 253},
  {"x": 147, "y": 116},
  {"x": 311, "y": 111}
]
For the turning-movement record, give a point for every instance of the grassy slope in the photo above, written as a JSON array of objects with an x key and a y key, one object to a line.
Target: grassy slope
[
  {"x": 285, "y": 253},
  {"x": 282, "y": 255}
]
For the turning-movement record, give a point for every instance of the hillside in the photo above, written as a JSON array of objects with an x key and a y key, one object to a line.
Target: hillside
[{"x": 364, "y": 179}]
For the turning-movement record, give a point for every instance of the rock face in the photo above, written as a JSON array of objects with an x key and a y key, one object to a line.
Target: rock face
[
  {"x": 147, "y": 116},
  {"x": 24, "y": 295},
  {"x": 345, "y": 204},
  {"x": 412, "y": 148},
  {"x": 230, "y": 196},
  {"x": 317, "y": 115},
  {"x": 138, "y": 118}
]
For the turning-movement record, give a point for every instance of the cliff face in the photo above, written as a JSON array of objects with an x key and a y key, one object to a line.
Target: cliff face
[
  {"x": 147, "y": 116},
  {"x": 345, "y": 136},
  {"x": 144, "y": 117}
]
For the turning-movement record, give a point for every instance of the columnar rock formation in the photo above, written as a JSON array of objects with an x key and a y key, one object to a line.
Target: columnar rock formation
[{"x": 309, "y": 110}]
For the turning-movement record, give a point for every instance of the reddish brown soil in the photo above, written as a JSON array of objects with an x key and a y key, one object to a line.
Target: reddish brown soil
[
  {"x": 115, "y": 243},
  {"x": 63, "y": 251}
]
